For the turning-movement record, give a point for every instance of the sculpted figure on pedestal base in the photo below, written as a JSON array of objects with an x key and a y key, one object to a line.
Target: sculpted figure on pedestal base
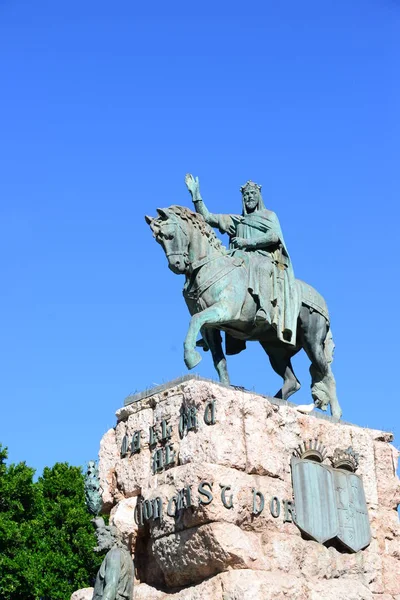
[{"x": 115, "y": 577}]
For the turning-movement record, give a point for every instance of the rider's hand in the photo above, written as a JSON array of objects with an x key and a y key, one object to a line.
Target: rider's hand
[
  {"x": 239, "y": 242},
  {"x": 193, "y": 186}
]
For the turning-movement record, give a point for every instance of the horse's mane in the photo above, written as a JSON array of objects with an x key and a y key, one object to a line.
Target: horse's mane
[{"x": 197, "y": 220}]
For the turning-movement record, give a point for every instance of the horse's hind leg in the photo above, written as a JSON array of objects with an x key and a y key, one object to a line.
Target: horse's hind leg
[
  {"x": 318, "y": 344},
  {"x": 213, "y": 339},
  {"x": 280, "y": 359}
]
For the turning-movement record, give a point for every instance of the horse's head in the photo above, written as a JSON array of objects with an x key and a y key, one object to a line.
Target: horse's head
[{"x": 171, "y": 235}]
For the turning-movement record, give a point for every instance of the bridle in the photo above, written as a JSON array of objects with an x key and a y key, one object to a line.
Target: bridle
[{"x": 184, "y": 255}]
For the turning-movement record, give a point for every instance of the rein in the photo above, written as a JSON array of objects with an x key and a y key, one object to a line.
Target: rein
[
  {"x": 194, "y": 268},
  {"x": 194, "y": 293},
  {"x": 201, "y": 263},
  {"x": 185, "y": 255}
]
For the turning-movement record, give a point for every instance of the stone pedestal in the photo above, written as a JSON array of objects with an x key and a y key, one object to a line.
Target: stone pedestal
[
  {"x": 197, "y": 476},
  {"x": 85, "y": 594}
]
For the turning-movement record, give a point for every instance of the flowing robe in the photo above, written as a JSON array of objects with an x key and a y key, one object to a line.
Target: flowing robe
[
  {"x": 269, "y": 265},
  {"x": 117, "y": 567}
]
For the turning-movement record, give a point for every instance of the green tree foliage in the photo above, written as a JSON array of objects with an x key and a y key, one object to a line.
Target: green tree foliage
[
  {"x": 18, "y": 511},
  {"x": 46, "y": 537}
]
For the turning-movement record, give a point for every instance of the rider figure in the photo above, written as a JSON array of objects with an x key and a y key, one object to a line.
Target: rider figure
[{"x": 257, "y": 231}]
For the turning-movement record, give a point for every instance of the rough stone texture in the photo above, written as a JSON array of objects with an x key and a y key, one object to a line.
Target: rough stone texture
[
  {"x": 194, "y": 554},
  {"x": 108, "y": 457},
  {"x": 85, "y": 594},
  {"x": 123, "y": 517},
  {"x": 214, "y": 552}
]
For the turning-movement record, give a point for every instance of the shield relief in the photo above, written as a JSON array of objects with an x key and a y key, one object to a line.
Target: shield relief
[
  {"x": 330, "y": 503},
  {"x": 354, "y": 528},
  {"x": 315, "y": 500}
]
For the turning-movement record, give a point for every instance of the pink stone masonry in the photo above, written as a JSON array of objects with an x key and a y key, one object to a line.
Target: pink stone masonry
[{"x": 217, "y": 549}]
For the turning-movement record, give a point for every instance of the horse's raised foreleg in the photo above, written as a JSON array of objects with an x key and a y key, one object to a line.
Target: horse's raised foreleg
[
  {"x": 280, "y": 359},
  {"x": 218, "y": 313},
  {"x": 213, "y": 339}
]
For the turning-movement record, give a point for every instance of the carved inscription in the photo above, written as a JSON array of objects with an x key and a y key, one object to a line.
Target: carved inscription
[
  {"x": 152, "y": 509},
  {"x": 158, "y": 439},
  {"x": 159, "y": 436}
]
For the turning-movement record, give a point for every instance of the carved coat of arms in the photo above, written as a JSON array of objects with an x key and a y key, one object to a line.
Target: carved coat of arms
[{"x": 330, "y": 500}]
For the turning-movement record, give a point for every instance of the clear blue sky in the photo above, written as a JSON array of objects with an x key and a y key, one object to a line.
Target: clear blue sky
[{"x": 104, "y": 107}]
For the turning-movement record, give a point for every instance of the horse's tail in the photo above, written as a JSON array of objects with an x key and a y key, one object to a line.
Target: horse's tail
[
  {"x": 329, "y": 346},
  {"x": 323, "y": 387}
]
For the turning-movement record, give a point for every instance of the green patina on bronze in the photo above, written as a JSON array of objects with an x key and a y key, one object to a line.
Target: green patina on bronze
[
  {"x": 330, "y": 500},
  {"x": 257, "y": 230},
  {"x": 115, "y": 578},
  {"x": 92, "y": 488},
  {"x": 249, "y": 291}
]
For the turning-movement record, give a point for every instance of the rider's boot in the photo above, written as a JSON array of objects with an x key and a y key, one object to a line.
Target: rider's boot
[{"x": 201, "y": 343}]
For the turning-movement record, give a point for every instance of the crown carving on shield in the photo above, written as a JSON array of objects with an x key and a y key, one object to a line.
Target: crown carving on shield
[
  {"x": 250, "y": 184},
  {"x": 345, "y": 459},
  {"x": 312, "y": 450}
]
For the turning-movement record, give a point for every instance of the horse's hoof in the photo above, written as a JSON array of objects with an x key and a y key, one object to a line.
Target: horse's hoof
[{"x": 192, "y": 359}]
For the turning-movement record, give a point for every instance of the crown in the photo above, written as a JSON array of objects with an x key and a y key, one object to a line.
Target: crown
[
  {"x": 345, "y": 459},
  {"x": 250, "y": 184},
  {"x": 311, "y": 449}
]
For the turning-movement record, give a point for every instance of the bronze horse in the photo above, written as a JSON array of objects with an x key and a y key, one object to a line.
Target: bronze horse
[{"x": 218, "y": 298}]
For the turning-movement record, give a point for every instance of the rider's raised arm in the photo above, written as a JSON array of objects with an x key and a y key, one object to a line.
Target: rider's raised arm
[
  {"x": 202, "y": 209},
  {"x": 224, "y": 222}
]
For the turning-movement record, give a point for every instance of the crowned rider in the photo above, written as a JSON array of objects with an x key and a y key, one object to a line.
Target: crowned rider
[{"x": 257, "y": 231}]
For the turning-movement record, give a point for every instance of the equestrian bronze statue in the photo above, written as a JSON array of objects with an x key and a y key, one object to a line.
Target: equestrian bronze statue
[{"x": 249, "y": 291}]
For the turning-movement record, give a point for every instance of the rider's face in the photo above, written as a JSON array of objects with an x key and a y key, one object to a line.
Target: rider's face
[{"x": 250, "y": 197}]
